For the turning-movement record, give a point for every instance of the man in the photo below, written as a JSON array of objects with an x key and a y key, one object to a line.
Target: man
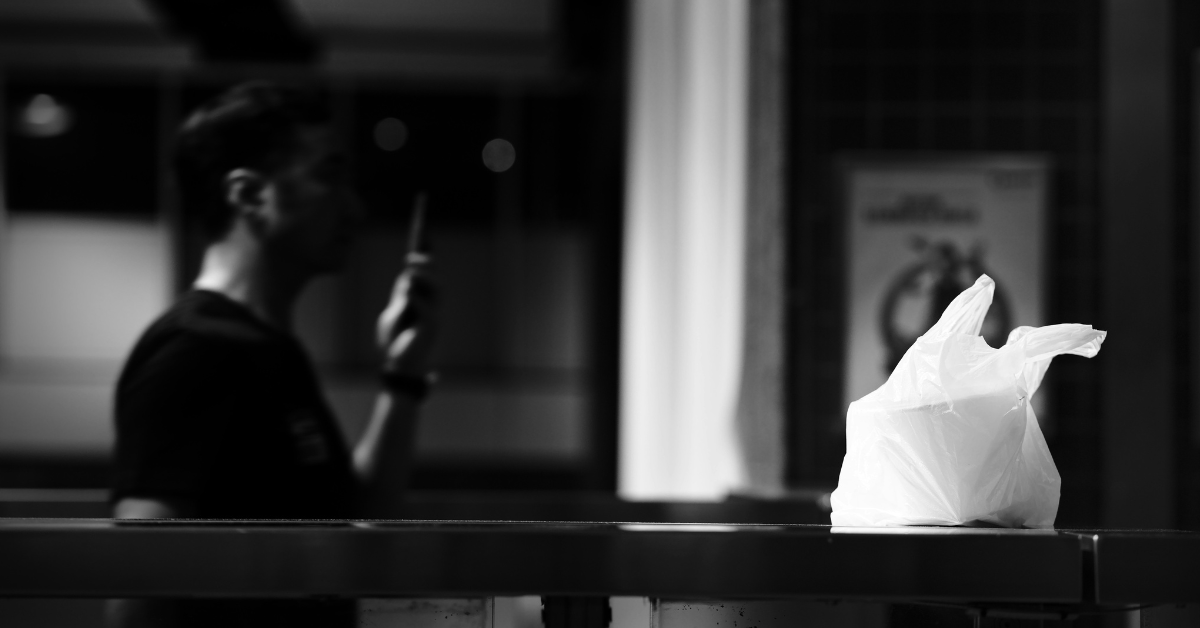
[{"x": 218, "y": 411}]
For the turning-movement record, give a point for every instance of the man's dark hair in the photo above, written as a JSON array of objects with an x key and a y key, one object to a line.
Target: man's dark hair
[{"x": 253, "y": 125}]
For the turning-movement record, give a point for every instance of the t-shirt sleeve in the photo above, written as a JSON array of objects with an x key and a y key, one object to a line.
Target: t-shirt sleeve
[{"x": 172, "y": 418}]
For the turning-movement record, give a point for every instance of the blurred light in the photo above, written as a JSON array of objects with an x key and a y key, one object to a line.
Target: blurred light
[
  {"x": 44, "y": 117},
  {"x": 390, "y": 134},
  {"x": 499, "y": 155}
]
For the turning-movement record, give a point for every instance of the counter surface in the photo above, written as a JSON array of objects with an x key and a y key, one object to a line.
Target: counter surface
[
  {"x": 106, "y": 558},
  {"x": 1146, "y": 566}
]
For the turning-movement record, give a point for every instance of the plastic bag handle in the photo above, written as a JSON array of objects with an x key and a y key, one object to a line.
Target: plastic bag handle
[
  {"x": 1042, "y": 344},
  {"x": 966, "y": 312}
]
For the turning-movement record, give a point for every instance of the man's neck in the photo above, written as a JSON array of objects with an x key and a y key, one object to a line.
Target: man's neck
[{"x": 240, "y": 270}]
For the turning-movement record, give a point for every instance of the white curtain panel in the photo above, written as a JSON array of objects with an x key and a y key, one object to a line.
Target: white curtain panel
[{"x": 684, "y": 250}]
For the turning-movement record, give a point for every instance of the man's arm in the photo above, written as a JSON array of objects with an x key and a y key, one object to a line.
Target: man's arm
[
  {"x": 383, "y": 455},
  {"x": 153, "y": 508},
  {"x": 145, "y": 613}
]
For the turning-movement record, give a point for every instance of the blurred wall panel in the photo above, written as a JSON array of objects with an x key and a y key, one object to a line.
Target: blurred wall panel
[
  {"x": 65, "y": 415},
  {"x": 515, "y": 255},
  {"x": 76, "y": 294},
  {"x": 482, "y": 424},
  {"x": 513, "y": 364},
  {"x": 475, "y": 424},
  {"x": 80, "y": 288},
  {"x": 548, "y": 313}
]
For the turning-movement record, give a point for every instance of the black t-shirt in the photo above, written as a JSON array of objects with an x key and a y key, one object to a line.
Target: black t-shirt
[{"x": 216, "y": 407}]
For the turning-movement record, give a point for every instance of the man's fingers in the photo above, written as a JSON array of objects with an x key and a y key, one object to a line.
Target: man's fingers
[
  {"x": 408, "y": 311},
  {"x": 403, "y": 342},
  {"x": 412, "y": 303},
  {"x": 413, "y": 279},
  {"x": 409, "y": 350}
]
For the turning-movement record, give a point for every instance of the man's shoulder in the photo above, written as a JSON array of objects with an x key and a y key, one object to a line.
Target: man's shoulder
[
  {"x": 202, "y": 330},
  {"x": 209, "y": 316}
]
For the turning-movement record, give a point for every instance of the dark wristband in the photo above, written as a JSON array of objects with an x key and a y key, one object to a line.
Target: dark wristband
[{"x": 416, "y": 388}]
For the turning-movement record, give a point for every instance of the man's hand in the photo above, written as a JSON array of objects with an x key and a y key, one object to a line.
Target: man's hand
[
  {"x": 408, "y": 324},
  {"x": 405, "y": 335}
]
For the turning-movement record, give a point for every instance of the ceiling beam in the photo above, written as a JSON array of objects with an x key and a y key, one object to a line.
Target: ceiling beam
[{"x": 238, "y": 31}]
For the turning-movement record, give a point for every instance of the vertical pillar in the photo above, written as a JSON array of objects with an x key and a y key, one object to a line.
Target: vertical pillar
[
  {"x": 4, "y": 115},
  {"x": 761, "y": 430},
  {"x": 1137, "y": 304},
  {"x": 683, "y": 249}
]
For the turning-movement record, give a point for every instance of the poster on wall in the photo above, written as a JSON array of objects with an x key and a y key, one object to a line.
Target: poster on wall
[{"x": 921, "y": 230}]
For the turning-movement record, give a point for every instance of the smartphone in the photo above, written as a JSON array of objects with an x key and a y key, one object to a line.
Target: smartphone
[
  {"x": 417, "y": 254},
  {"x": 418, "y": 247}
]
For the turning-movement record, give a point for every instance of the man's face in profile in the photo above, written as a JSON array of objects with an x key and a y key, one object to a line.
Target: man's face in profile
[{"x": 317, "y": 210}]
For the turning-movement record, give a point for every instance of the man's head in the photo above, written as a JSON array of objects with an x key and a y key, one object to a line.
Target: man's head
[{"x": 265, "y": 158}]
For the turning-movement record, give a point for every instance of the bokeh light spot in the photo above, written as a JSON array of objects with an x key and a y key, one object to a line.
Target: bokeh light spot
[
  {"x": 390, "y": 134},
  {"x": 44, "y": 116},
  {"x": 499, "y": 155}
]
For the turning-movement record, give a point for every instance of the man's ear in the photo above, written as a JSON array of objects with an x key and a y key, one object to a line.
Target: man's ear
[{"x": 246, "y": 192}]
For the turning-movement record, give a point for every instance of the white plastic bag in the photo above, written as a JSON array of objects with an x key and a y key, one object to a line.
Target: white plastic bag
[{"x": 951, "y": 437}]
